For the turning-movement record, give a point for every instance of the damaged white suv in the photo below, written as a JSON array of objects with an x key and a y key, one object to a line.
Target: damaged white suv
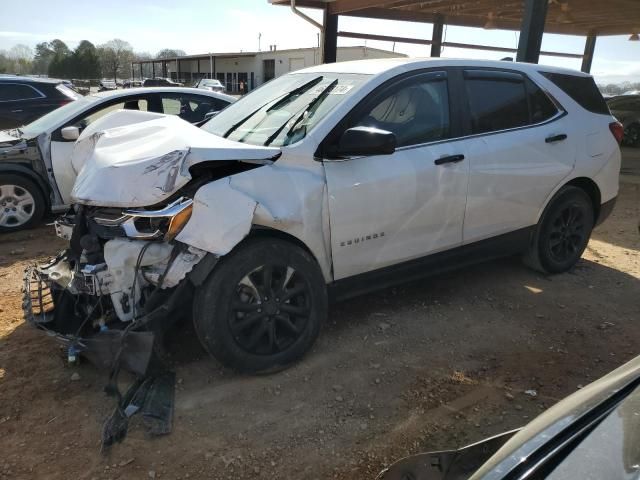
[{"x": 321, "y": 184}]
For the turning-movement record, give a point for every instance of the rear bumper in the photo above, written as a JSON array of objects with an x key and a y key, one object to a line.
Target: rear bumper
[{"x": 605, "y": 210}]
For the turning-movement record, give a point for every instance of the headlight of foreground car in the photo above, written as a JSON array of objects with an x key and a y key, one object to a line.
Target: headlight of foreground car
[{"x": 164, "y": 224}]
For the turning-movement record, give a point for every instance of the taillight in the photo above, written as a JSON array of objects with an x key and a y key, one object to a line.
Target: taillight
[{"x": 617, "y": 130}]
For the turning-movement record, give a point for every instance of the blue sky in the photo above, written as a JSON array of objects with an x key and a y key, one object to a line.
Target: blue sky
[{"x": 199, "y": 26}]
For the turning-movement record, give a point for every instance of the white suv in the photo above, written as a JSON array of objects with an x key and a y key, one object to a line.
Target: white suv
[{"x": 321, "y": 184}]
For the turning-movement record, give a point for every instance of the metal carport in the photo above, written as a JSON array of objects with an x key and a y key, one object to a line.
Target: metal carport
[{"x": 590, "y": 18}]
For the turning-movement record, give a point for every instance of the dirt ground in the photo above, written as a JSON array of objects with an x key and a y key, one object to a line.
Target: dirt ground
[{"x": 434, "y": 364}]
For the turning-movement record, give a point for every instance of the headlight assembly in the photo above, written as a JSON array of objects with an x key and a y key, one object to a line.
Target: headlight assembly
[{"x": 165, "y": 223}]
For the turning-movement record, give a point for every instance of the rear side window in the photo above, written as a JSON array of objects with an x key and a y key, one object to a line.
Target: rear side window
[
  {"x": 16, "y": 91},
  {"x": 497, "y": 100},
  {"x": 541, "y": 107},
  {"x": 582, "y": 90}
]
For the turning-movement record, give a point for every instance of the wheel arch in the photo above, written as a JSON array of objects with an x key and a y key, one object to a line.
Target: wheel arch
[
  {"x": 260, "y": 231},
  {"x": 591, "y": 188},
  {"x": 15, "y": 169},
  {"x": 587, "y": 185}
]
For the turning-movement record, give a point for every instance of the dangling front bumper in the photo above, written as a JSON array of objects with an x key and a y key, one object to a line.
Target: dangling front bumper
[{"x": 43, "y": 305}]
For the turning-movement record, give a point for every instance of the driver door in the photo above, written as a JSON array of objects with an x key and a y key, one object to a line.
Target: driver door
[{"x": 388, "y": 209}]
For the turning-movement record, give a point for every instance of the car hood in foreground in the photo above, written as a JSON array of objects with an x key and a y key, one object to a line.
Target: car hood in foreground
[{"x": 138, "y": 159}]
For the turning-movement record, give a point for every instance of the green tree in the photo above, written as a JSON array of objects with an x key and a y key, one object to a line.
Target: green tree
[
  {"x": 42, "y": 58},
  {"x": 60, "y": 64},
  {"x": 85, "y": 62}
]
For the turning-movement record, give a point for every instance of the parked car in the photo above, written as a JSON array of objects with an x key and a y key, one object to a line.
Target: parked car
[
  {"x": 626, "y": 108},
  {"x": 325, "y": 183},
  {"x": 160, "y": 82},
  {"x": 24, "y": 99},
  {"x": 36, "y": 174},
  {"x": 106, "y": 85},
  {"x": 132, "y": 83},
  {"x": 211, "y": 84},
  {"x": 592, "y": 434}
]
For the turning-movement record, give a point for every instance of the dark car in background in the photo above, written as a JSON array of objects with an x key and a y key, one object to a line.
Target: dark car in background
[
  {"x": 626, "y": 108},
  {"x": 160, "y": 82},
  {"x": 25, "y": 99}
]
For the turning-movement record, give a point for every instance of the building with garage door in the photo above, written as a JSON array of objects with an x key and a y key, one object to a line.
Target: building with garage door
[{"x": 243, "y": 71}]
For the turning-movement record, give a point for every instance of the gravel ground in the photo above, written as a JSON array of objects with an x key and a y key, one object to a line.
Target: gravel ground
[{"x": 434, "y": 364}]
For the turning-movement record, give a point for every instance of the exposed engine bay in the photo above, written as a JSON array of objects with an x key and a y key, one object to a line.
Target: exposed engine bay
[{"x": 111, "y": 295}]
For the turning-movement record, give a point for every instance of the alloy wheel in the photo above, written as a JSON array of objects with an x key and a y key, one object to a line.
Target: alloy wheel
[
  {"x": 17, "y": 206},
  {"x": 567, "y": 233},
  {"x": 270, "y": 309}
]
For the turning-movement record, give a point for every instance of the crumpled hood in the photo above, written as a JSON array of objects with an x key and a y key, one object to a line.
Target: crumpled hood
[{"x": 137, "y": 159}]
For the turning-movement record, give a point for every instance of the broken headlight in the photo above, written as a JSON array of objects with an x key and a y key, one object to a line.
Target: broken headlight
[{"x": 165, "y": 223}]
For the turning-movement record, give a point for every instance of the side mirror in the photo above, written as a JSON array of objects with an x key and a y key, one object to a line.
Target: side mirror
[
  {"x": 70, "y": 133},
  {"x": 365, "y": 141}
]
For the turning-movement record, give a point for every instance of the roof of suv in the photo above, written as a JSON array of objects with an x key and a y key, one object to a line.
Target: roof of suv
[
  {"x": 18, "y": 78},
  {"x": 377, "y": 66}
]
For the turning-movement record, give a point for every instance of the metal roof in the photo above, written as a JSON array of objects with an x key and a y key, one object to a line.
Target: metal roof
[{"x": 573, "y": 17}]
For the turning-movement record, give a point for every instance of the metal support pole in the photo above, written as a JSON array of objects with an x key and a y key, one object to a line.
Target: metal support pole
[
  {"x": 436, "y": 37},
  {"x": 153, "y": 69},
  {"x": 531, "y": 31},
  {"x": 587, "y": 58},
  {"x": 330, "y": 38}
]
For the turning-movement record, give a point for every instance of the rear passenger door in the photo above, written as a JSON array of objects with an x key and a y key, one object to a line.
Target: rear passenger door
[{"x": 519, "y": 149}]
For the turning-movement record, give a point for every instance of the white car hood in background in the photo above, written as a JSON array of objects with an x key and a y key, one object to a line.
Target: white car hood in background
[{"x": 140, "y": 164}]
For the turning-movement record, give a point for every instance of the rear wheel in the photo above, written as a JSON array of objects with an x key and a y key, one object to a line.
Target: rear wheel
[
  {"x": 632, "y": 135},
  {"x": 262, "y": 307},
  {"x": 563, "y": 232},
  {"x": 22, "y": 204}
]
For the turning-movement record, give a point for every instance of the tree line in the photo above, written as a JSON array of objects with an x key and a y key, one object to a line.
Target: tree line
[{"x": 87, "y": 61}]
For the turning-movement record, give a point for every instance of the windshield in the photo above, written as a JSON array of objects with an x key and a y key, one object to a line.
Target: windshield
[
  {"x": 210, "y": 83},
  {"x": 284, "y": 110},
  {"x": 58, "y": 116}
]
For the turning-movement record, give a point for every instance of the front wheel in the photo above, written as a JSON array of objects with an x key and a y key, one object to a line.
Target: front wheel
[
  {"x": 262, "y": 307},
  {"x": 22, "y": 204},
  {"x": 563, "y": 232}
]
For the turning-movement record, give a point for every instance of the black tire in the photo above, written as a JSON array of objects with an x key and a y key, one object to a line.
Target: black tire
[
  {"x": 241, "y": 329},
  {"x": 14, "y": 189},
  {"x": 563, "y": 232},
  {"x": 632, "y": 135}
]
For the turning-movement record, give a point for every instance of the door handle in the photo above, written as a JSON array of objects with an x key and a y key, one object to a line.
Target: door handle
[
  {"x": 449, "y": 159},
  {"x": 16, "y": 111},
  {"x": 556, "y": 138}
]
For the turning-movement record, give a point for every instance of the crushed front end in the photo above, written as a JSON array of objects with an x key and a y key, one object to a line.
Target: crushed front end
[{"x": 117, "y": 286}]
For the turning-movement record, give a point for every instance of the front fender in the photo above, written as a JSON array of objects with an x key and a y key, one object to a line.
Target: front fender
[{"x": 289, "y": 200}]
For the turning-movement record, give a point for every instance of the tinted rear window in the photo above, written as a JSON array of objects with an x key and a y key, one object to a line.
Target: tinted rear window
[
  {"x": 16, "y": 91},
  {"x": 496, "y": 101},
  {"x": 582, "y": 90}
]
